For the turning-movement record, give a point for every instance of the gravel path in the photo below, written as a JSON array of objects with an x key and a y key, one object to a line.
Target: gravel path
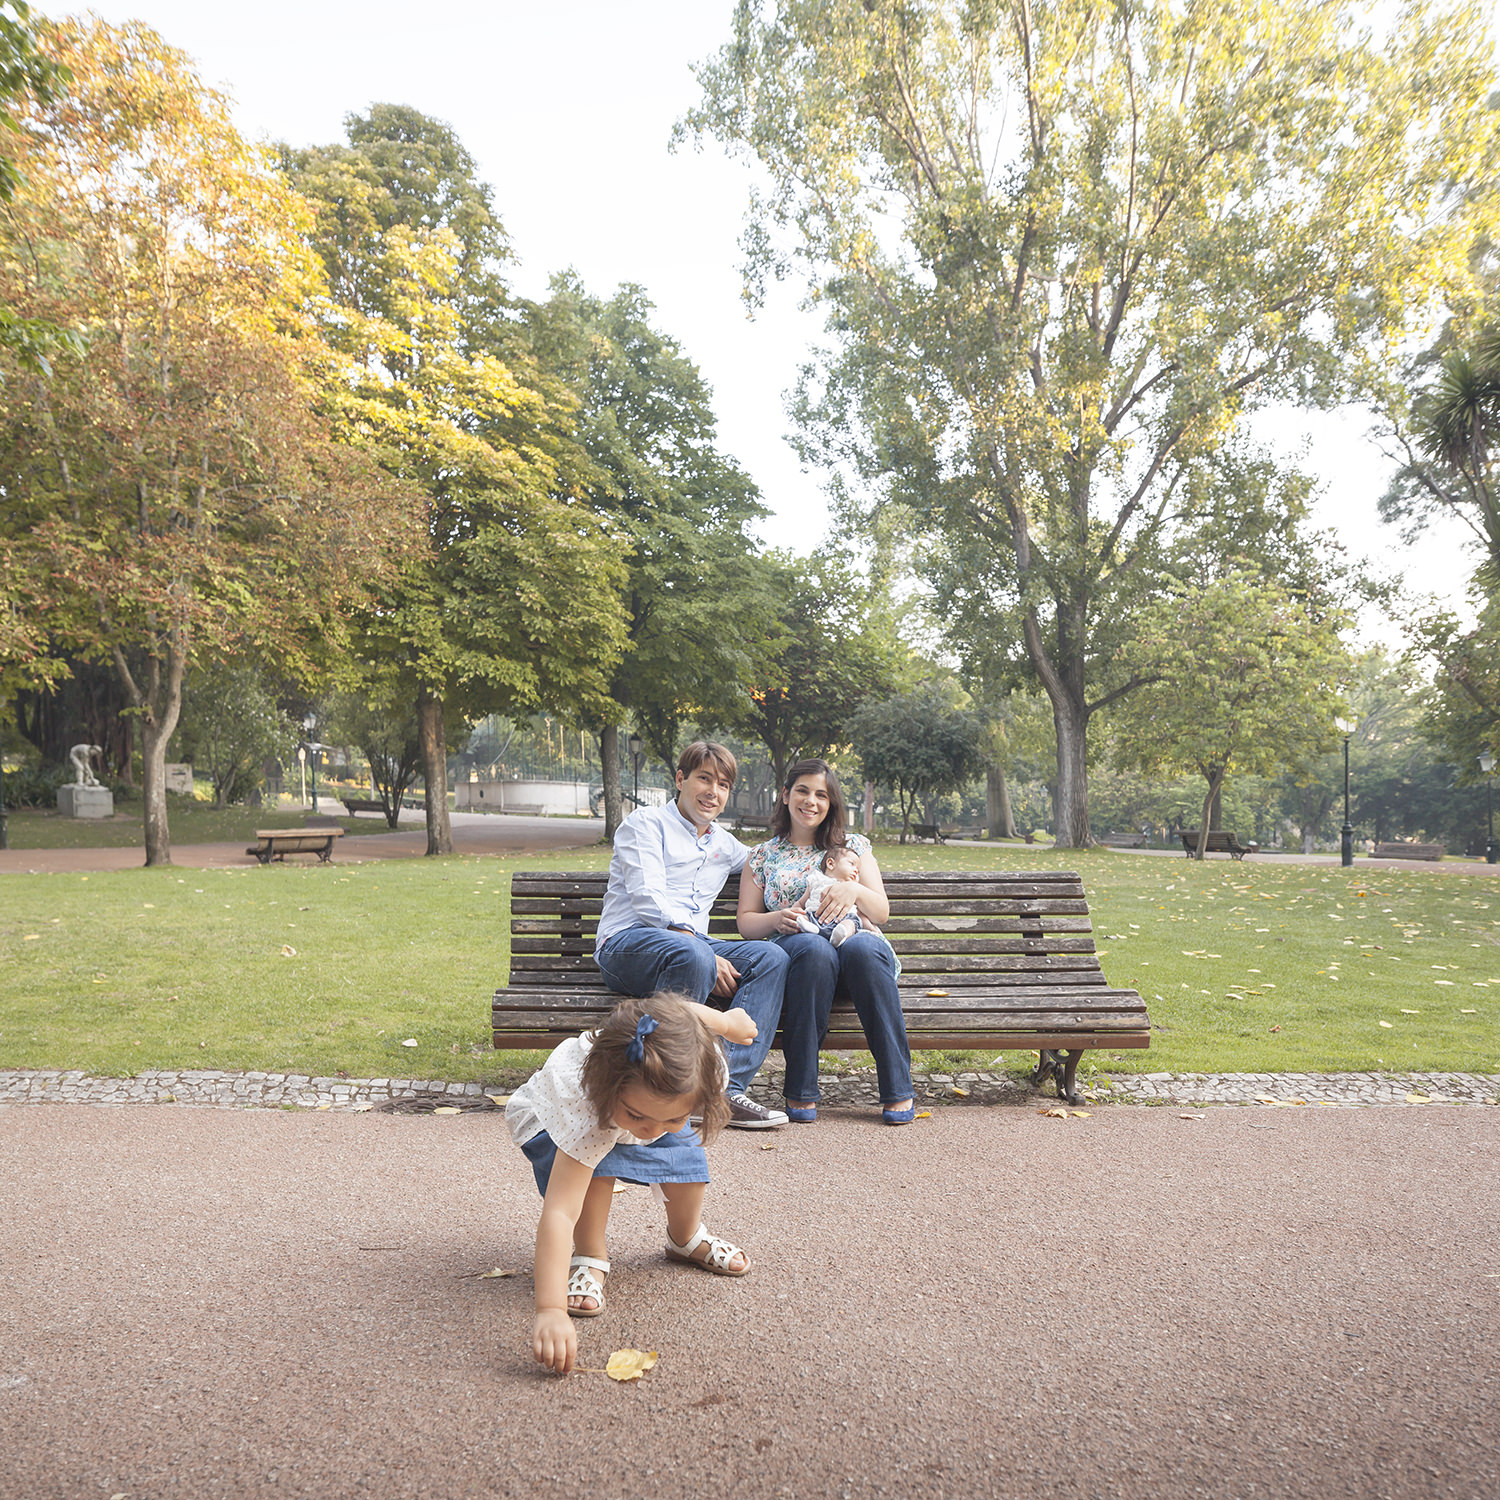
[{"x": 1137, "y": 1304}]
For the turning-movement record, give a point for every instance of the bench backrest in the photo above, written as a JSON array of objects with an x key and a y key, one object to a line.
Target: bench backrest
[{"x": 983, "y": 955}]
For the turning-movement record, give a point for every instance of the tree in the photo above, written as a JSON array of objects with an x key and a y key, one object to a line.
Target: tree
[
  {"x": 1064, "y": 250},
  {"x": 919, "y": 744},
  {"x": 1239, "y": 676},
  {"x": 231, "y": 725},
  {"x": 175, "y": 483},
  {"x": 833, "y": 653},
  {"x": 381, "y": 718},
  {"x": 699, "y": 602},
  {"x": 514, "y": 601}
]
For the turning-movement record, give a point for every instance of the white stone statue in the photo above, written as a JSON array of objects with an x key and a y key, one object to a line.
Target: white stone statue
[{"x": 83, "y": 771}]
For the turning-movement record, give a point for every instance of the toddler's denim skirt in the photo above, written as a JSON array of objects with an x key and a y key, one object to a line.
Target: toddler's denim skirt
[{"x": 669, "y": 1158}]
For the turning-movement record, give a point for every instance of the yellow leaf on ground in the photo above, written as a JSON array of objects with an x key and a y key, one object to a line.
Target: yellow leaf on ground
[
  {"x": 1406, "y": 1012},
  {"x": 1419, "y": 1098},
  {"x": 501, "y": 1099},
  {"x": 32, "y": 937},
  {"x": 629, "y": 1364},
  {"x": 1264, "y": 1099},
  {"x": 962, "y": 1093},
  {"x": 923, "y": 1114},
  {"x": 447, "y": 1109},
  {"x": 937, "y": 992},
  {"x": 1054, "y": 1113},
  {"x": 361, "y": 1107},
  {"x": 1192, "y": 1117},
  {"x": 493, "y": 1275},
  {"x": 1468, "y": 1012},
  {"x": 287, "y": 951},
  {"x": 1386, "y": 1024},
  {"x": 1079, "y": 1114},
  {"x": 619, "y": 1187},
  {"x": 768, "y": 1148}
]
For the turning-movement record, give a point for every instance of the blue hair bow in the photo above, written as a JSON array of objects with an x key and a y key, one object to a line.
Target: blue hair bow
[{"x": 636, "y": 1051}]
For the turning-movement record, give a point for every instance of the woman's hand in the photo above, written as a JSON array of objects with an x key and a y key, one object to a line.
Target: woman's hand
[
  {"x": 554, "y": 1341},
  {"x": 839, "y": 900},
  {"x": 785, "y": 919}
]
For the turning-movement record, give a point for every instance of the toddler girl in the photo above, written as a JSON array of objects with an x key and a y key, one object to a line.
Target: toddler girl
[{"x": 616, "y": 1103}]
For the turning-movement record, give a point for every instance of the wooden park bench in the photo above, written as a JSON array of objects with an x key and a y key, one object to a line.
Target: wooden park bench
[
  {"x": 1124, "y": 840},
  {"x": 353, "y": 805},
  {"x": 1219, "y": 842},
  {"x": 928, "y": 831},
  {"x": 277, "y": 843},
  {"x": 988, "y": 960},
  {"x": 1400, "y": 849}
]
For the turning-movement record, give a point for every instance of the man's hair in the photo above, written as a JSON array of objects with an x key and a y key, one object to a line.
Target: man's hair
[
  {"x": 709, "y": 750},
  {"x": 678, "y": 1057},
  {"x": 830, "y": 832}
]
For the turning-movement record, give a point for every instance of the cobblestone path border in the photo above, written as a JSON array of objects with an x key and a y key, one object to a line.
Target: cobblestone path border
[{"x": 298, "y": 1091}]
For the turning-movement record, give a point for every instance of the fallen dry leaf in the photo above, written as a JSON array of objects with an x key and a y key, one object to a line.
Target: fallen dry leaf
[
  {"x": 287, "y": 951},
  {"x": 447, "y": 1109},
  {"x": 501, "y": 1099},
  {"x": 361, "y": 1108},
  {"x": 962, "y": 1093},
  {"x": 1468, "y": 1012},
  {"x": 495, "y": 1274},
  {"x": 1053, "y": 1113},
  {"x": 937, "y": 992},
  {"x": 1406, "y": 1012},
  {"x": 1264, "y": 1099},
  {"x": 768, "y": 1148},
  {"x": 619, "y": 1187},
  {"x": 630, "y": 1364},
  {"x": 411, "y": 1041},
  {"x": 1274, "y": 1028},
  {"x": 32, "y": 937},
  {"x": 1079, "y": 1114},
  {"x": 1192, "y": 1117},
  {"x": 1419, "y": 1098},
  {"x": 923, "y": 1114},
  {"x": 1386, "y": 1024}
]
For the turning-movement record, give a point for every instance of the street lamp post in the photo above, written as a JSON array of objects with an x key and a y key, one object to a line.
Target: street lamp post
[
  {"x": 1491, "y": 851},
  {"x": 1346, "y": 833},
  {"x": 635, "y": 760}
]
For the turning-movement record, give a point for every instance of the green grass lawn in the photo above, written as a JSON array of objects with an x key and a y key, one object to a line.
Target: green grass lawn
[
  {"x": 189, "y": 823},
  {"x": 320, "y": 969}
]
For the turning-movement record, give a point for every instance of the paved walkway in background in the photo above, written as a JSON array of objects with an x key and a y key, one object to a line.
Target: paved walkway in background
[{"x": 840, "y": 1090}]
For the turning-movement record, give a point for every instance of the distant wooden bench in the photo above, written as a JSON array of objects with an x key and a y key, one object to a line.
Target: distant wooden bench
[
  {"x": 992, "y": 960},
  {"x": 1127, "y": 840},
  {"x": 928, "y": 831},
  {"x": 1399, "y": 849},
  {"x": 277, "y": 843},
  {"x": 1219, "y": 842},
  {"x": 353, "y": 805}
]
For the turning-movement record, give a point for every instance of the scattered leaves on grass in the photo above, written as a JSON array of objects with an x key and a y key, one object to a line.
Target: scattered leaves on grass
[
  {"x": 31, "y": 937},
  {"x": 1406, "y": 1012},
  {"x": 287, "y": 951},
  {"x": 411, "y": 1041},
  {"x": 1468, "y": 1012},
  {"x": 1273, "y": 1028},
  {"x": 1386, "y": 1024}
]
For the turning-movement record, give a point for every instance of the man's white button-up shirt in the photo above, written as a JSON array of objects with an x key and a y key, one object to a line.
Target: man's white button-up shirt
[{"x": 664, "y": 874}]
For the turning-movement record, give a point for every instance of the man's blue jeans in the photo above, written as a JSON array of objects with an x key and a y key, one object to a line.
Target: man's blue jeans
[{"x": 643, "y": 960}]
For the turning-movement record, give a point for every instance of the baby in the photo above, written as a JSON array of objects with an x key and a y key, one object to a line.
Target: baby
[{"x": 840, "y": 863}]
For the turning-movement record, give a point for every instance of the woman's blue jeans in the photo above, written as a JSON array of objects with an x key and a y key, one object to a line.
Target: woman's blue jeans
[{"x": 864, "y": 970}]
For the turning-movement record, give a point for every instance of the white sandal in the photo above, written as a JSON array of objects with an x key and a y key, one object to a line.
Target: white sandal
[
  {"x": 720, "y": 1253},
  {"x": 583, "y": 1283}
]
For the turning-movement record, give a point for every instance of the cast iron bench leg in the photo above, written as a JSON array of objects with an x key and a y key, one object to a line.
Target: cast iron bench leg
[{"x": 1063, "y": 1073}]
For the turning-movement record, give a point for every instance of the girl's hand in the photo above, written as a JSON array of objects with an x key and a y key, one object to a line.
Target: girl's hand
[
  {"x": 739, "y": 1028},
  {"x": 839, "y": 900},
  {"x": 554, "y": 1341}
]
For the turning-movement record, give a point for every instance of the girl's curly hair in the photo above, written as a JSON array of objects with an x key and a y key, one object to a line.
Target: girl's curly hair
[{"x": 680, "y": 1057}]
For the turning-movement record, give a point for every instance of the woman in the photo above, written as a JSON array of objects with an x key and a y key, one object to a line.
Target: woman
[{"x": 809, "y": 819}]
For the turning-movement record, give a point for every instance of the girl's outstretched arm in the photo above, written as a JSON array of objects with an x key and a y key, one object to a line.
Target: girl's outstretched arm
[
  {"x": 732, "y": 1025},
  {"x": 554, "y": 1341}
]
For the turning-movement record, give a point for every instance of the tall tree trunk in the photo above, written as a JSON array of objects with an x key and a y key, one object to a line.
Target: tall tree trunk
[
  {"x": 158, "y": 707},
  {"x": 1216, "y": 810},
  {"x": 434, "y": 742},
  {"x": 1071, "y": 799},
  {"x": 609, "y": 766},
  {"x": 154, "y": 792},
  {"x": 1215, "y": 783},
  {"x": 1001, "y": 819}
]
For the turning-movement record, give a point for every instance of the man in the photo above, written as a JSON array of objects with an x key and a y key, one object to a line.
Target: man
[{"x": 668, "y": 867}]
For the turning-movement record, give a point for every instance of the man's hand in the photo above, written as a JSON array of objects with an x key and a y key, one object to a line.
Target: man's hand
[
  {"x": 554, "y": 1341},
  {"x": 729, "y": 977},
  {"x": 739, "y": 1028}
]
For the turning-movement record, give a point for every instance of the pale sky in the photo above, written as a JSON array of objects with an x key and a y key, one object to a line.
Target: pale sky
[{"x": 567, "y": 107}]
